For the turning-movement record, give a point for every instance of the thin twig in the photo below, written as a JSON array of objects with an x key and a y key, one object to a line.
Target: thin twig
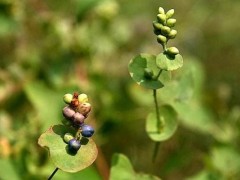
[
  {"x": 50, "y": 177},
  {"x": 155, "y": 151}
]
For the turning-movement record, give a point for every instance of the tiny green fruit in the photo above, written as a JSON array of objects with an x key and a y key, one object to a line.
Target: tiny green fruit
[
  {"x": 172, "y": 34},
  {"x": 161, "y": 39},
  {"x": 148, "y": 73},
  {"x": 171, "y": 22},
  {"x": 67, "y": 98},
  {"x": 82, "y": 98},
  {"x": 161, "y": 18},
  {"x": 67, "y": 137},
  {"x": 161, "y": 10},
  {"x": 172, "y": 51},
  {"x": 165, "y": 30},
  {"x": 157, "y": 26},
  {"x": 170, "y": 13}
]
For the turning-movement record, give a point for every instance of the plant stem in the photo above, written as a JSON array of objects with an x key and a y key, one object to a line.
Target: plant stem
[
  {"x": 53, "y": 173},
  {"x": 77, "y": 136},
  {"x": 157, "y": 110},
  {"x": 155, "y": 151}
]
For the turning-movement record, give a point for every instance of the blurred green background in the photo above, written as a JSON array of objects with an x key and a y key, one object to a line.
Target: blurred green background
[{"x": 49, "y": 48}]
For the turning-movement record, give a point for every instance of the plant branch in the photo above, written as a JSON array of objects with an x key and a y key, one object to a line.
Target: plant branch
[
  {"x": 157, "y": 110},
  {"x": 155, "y": 151},
  {"x": 53, "y": 173}
]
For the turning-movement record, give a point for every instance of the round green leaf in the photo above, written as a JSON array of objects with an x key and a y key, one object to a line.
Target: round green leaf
[
  {"x": 169, "y": 63},
  {"x": 137, "y": 69},
  {"x": 52, "y": 139},
  {"x": 163, "y": 130}
]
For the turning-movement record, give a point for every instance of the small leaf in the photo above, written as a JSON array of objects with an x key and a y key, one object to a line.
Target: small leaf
[
  {"x": 121, "y": 169},
  {"x": 169, "y": 63},
  {"x": 163, "y": 130},
  {"x": 52, "y": 139},
  {"x": 137, "y": 69}
]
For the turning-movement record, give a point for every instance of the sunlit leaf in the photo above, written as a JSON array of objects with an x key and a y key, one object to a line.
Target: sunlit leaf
[
  {"x": 169, "y": 63},
  {"x": 52, "y": 139},
  {"x": 121, "y": 169},
  {"x": 163, "y": 130},
  {"x": 137, "y": 68}
]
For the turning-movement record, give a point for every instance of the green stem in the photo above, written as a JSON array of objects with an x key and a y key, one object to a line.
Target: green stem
[
  {"x": 157, "y": 110},
  {"x": 53, "y": 173},
  {"x": 78, "y": 134},
  {"x": 164, "y": 47},
  {"x": 155, "y": 151}
]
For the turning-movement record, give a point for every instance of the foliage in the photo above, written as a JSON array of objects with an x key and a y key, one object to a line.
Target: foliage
[{"x": 49, "y": 48}]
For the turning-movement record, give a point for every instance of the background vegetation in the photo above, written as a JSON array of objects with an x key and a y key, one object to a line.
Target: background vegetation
[{"x": 49, "y": 48}]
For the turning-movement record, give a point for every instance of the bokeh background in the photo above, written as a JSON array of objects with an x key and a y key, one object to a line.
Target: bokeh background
[{"x": 49, "y": 48}]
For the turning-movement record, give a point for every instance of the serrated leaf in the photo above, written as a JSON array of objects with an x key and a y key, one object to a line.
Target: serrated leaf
[
  {"x": 169, "y": 63},
  {"x": 163, "y": 130},
  {"x": 121, "y": 169},
  {"x": 137, "y": 68},
  {"x": 52, "y": 139}
]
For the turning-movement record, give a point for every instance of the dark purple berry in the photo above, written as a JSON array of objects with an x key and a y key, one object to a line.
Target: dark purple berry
[
  {"x": 68, "y": 112},
  {"x": 74, "y": 145},
  {"x": 87, "y": 131},
  {"x": 78, "y": 119}
]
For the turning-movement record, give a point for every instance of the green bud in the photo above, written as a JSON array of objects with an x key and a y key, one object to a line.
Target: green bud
[
  {"x": 148, "y": 73},
  {"x": 82, "y": 98},
  {"x": 165, "y": 30},
  {"x": 67, "y": 98},
  {"x": 161, "y": 39},
  {"x": 161, "y": 10},
  {"x": 157, "y": 25},
  {"x": 161, "y": 18},
  {"x": 171, "y": 22},
  {"x": 172, "y": 51},
  {"x": 172, "y": 34},
  {"x": 67, "y": 137},
  {"x": 170, "y": 13}
]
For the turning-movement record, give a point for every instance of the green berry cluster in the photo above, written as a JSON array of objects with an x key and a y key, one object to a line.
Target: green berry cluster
[
  {"x": 75, "y": 113},
  {"x": 163, "y": 28}
]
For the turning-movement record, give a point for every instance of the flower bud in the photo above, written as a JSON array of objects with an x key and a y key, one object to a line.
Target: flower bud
[
  {"x": 161, "y": 18},
  {"x": 78, "y": 119},
  {"x": 171, "y": 22},
  {"x": 82, "y": 98},
  {"x": 172, "y": 34},
  {"x": 161, "y": 39},
  {"x": 67, "y": 137},
  {"x": 68, "y": 112},
  {"x": 161, "y": 10},
  {"x": 67, "y": 98},
  {"x": 172, "y": 51},
  {"x": 148, "y": 73},
  {"x": 165, "y": 30},
  {"x": 84, "y": 109},
  {"x": 170, "y": 13},
  {"x": 157, "y": 25}
]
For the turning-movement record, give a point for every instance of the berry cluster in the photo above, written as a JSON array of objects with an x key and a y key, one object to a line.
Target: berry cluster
[
  {"x": 163, "y": 29},
  {"x": 76, "y": 112}
]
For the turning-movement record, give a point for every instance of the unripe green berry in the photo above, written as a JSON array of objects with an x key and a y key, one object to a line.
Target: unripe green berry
[
  {"x": 157, "y": 25},
  {"x": 170, "y": 13},
  {"x": 172, "y": 51},
  {"x": 82, "y": 98},
  {"x": 172, "y": 34},
  {"x": 161, "y": 39},
  {"x": 161, "y": 10},
  {"x": 165, "y": 30},
  {"x": 67, "y": 98},
  {"x": 148, "y": 73},
  {"x": 171, "y": 22},
  {"x": 67, "y": 137},
  {"x": 161, "y": 18}
]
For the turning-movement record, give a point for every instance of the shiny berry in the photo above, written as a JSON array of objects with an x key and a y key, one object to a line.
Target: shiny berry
[
  {"x": 87, "y": 131},
  {"x": 67, "y": 98},
  {"x": 68, "y": 112},
  {"x": 82, "y": 98},
  {"x": 78, "y": 119},
  {"x": 74, "y": 145}
]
